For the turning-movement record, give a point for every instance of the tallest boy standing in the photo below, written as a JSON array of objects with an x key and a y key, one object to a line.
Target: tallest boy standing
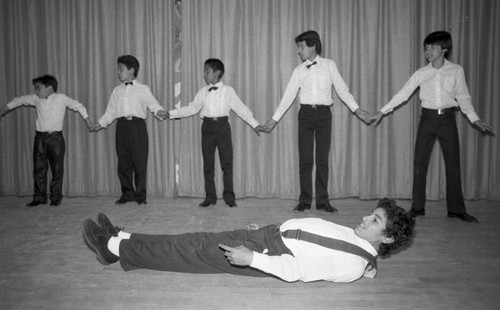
[
  {"x": 314, "y": 78},
  {"x": 442, "y": 90}
]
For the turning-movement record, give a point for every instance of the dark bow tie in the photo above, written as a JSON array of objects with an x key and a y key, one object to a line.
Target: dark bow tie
[
  {"x": 129, "y": 83},
  {"x": 309, "y": 66},
  {"x": 213, "y": 88}
]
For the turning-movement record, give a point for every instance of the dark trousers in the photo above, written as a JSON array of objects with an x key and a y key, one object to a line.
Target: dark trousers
[
  {"x": 198, "y": 252},
  {"x": 132, "y": 147},
  {"x": 315, "y": 129},
  {"x": 48, "y": 150},
  {"x": 443, "y": 127},
  {"x": 216, "y": 133}
]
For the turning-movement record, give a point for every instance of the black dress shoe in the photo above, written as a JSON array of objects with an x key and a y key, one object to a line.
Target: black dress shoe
[
  {"x": 105, "y": 223},
  {"x": 207, "y": 202},
  {"x": 302, "y": 206},
  {"x": 414, "y": 213},
  {"x": 327, "y": 207},
  {"x": 231, "y": 203},
  {"x": 464, "y": 217},
  {"x": 35, "y": 203},
  {"x": 97, "y": 238},
  {"x": 141, "y": 201},
  {"x": 122, "y": 201},
  {"x": 55, "y": 203}
]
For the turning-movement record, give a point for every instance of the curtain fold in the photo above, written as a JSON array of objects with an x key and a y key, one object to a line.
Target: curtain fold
[{"x": 377, "y": 45}]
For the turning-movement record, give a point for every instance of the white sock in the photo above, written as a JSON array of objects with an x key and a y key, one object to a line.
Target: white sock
[
  {"x": 114, "y": 245},
  {"x": 123, "y": 235}
]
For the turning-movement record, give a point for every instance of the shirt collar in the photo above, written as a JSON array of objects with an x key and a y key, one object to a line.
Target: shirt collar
[
  {"x": 308, "y": 62},
  {"x": 218, "y": 84},
  {"x": 134, "y": 82},
  {"x": 446, "y": 63},
  {"x": 52, "y": 96}
]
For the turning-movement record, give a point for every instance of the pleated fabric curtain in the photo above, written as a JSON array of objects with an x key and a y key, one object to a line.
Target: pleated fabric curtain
[{"x": 377, "y": 45}]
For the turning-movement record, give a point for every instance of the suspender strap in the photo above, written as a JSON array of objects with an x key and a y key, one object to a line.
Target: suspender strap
[{"x": 330, "y": 243}]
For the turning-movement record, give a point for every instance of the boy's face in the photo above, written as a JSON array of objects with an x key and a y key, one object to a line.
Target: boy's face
[
  {"x": 373, "y": 226},
  {"x": 211, "y": 76},
  {"x": 434, "y": 52},
  {"x": 125, "y": 74},
  {"x": 43, "y": 91},
  {"x": 306, "y": 52}
]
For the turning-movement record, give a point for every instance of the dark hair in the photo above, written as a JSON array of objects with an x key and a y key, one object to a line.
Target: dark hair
[
  {"x": 216, "y": 65},
  {"x": 441, "y": 38},
  {"x": 46, "y": 80},
  {"x": 311, "y": 38},
  {"x": 130, "y": 62},
  {"x": 399, "y": 226}
]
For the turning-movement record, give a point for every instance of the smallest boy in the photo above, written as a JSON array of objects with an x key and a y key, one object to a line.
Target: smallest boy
[
  {"x": 49, "y": 146},
  {"x": 442, "y": 90},
  {"x": 215, "y": 101},
  {"x": 128, "y": 105}
]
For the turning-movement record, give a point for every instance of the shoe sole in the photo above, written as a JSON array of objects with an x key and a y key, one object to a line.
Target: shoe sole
[{"x": 90, "y": 239}]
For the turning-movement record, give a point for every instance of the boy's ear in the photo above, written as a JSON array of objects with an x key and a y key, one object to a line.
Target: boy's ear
[
  {"x": 388, "y": 240},
  {"x": 218, "y": 73}
]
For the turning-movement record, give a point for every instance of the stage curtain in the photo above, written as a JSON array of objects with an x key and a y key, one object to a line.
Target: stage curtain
[
  {"x": 79, "y": 42},
  {"x": 377, "y": 45}
]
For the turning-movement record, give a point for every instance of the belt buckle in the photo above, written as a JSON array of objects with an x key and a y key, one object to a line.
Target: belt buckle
[
  {"x": 129, "y": 118},
  {"x": 314, "y": 106},
  {"x": 440, "y": 111},
  {"x": 215, "y": 119}
]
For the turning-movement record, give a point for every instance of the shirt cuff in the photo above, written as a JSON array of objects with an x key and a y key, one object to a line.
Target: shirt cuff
[
  {"x": 472, "y": 117},
  {"x": 260, "y": 261}
]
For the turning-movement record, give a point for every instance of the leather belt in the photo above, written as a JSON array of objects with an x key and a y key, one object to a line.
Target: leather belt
[{"x": 215, "y": 119}]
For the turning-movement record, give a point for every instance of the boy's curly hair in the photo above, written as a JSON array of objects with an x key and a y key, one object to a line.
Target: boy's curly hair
[{"x": 399, "y": 226}]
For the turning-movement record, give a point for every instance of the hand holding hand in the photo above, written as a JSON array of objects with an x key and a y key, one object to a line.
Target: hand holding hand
[
  {"x": 163, "y": 115},
  {"x": 240, "y": 256},
  {"x": 269, "y": 126},
  {"x": 90, "y": 124},
  {"x": 258, "y": 129},
  {"x": 377, "y": 117},
  {"x": 97, "y": 127},
  {"x": 363, "y": 115},
  {"x": 485, "y": 128}
]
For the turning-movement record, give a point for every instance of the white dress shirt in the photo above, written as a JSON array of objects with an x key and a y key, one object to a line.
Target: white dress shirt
[
  {"x": 51, "y": 111},
  {"x": 130, "y": 100},
  {"x": 216, "y": 103},
  {"x": 315, "y": 84},
  {"x": 439, "y": 89},
  {"x": 312, "y": 262}
]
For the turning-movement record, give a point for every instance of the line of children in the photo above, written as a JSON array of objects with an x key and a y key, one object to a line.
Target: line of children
[{"x": 442, "y": 89}]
